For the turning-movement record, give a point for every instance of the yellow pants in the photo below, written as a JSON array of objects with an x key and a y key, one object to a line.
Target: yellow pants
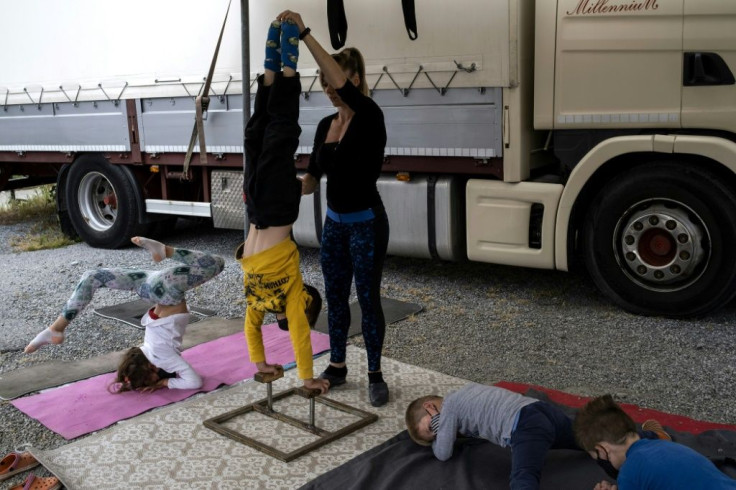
[{"x": 273, "y": 283}]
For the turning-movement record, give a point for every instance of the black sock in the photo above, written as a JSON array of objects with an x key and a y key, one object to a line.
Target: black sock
[
  {"x": 375, "y": 377},
  {"x": 336, "y": 371}
]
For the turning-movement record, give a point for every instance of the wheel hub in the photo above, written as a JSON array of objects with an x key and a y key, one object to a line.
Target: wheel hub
[
  {"x": 98, "y": 201},
  {"x": 656, "y": 247},
  {"x": 111, "y": 200},
  {"x": 662, "y": 244}
]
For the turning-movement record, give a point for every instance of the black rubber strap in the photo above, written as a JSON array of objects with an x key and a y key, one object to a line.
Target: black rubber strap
[
  {"x": 410, "y": 18},
  {"x": 318, "y": 211},
  {"x": 201, "y": 103},
  {"x": 432, "y": 217},
  {"x": 337, "y": 23}
]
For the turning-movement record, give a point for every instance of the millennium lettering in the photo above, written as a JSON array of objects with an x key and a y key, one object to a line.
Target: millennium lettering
[{"x": 587, "y": 7}]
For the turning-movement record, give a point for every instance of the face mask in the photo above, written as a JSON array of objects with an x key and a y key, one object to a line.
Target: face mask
[
  {"x": 434, "y": 423},
  {"x": 607, "y": 467}
]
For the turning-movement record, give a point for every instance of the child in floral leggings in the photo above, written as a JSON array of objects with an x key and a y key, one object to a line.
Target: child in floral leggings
[{"x": 145, "y": 367}]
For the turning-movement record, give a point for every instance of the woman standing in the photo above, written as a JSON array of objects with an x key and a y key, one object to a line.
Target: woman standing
[{"x": 349, "y": 148}]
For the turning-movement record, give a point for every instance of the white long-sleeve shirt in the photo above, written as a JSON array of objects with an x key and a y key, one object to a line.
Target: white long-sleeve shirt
[{"x": 162, "y": 347}]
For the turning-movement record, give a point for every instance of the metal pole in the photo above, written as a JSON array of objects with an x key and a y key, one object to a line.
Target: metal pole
[
  {"x": 245, "y": 63},
  {"x": 269, "y": 392}
]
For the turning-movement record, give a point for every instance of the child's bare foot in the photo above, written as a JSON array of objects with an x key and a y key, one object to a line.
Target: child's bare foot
[
  {"x": 264, "y": 367},
  {"x": 157, "y": 249},
  {"x": 47, "y": 336},
  {"x": 317, "y": 384}
]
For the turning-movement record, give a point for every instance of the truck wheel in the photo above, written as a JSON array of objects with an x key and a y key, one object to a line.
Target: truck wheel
[
  {"x": 658, "y": 240},
  {"x": 102, "y": 203}
]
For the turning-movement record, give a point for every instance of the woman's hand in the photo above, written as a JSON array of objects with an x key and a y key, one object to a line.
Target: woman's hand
[
  {"x": 287, "y": 15},
  {"x": 309, "y": 184},
  {"x": 328, "y": 67},
  {"x": 317, "y": 384}
]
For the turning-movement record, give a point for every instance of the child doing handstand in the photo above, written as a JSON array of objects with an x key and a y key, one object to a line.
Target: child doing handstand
[
  {"x": 269, "y": 258},
  {"x": 150, "y": 366}
]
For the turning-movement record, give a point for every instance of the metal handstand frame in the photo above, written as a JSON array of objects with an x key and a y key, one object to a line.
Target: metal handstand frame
[{"x": 265, "y": 407}]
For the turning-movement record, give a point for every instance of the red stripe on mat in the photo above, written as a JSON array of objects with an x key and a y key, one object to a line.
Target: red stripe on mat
[{"x": 677, "y": 422}]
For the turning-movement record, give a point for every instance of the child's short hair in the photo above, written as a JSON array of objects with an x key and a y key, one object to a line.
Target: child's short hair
[
  {"x": 134, "y": 372},
  {"x": 414, "y": 413},
  {"x": 602, "y": 420}
]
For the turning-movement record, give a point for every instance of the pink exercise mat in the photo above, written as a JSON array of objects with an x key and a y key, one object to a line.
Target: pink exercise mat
[{"x": 86, "y": 406}]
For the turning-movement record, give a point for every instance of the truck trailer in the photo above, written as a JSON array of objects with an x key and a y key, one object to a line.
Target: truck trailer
[{"x": 548, "y": 134}]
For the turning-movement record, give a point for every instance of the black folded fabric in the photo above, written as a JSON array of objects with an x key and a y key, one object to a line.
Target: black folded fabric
[
  {"x": 337, "y": 23},
  {"x": 410, "y": 18}
]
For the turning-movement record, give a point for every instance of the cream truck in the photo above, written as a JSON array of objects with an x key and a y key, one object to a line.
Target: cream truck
[{"x": 548, "y": 134}]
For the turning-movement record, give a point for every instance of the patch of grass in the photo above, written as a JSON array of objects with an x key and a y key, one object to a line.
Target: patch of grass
[
  {"x": 39, "y": 211},
  {"x": 42, "y": 235},
  {"x": 38, "y": 205}
]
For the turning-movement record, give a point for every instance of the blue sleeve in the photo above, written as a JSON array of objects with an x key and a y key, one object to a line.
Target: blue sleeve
[
  {"x": 446, "y": 435},
  {"x": 629, "y": 477}
]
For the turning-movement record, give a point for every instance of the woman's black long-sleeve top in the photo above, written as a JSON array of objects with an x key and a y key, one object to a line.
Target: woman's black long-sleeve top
[{"x": 353, "y": 164}]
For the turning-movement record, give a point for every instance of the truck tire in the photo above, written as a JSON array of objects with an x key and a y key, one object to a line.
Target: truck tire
[
  {"x": 659, "y": 240},
  {"x": 101, "y": 203}
]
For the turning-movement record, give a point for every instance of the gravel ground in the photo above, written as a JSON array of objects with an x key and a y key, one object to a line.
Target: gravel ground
[{"x": 481, "y": 322}]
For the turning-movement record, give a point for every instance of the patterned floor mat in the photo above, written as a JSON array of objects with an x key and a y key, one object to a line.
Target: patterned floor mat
[{"x": 171, "y": 448}]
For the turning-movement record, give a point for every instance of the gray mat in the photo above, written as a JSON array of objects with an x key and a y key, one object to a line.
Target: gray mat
[
  {"x": 131, "y": 312},
  {"x": 393, "y": 311},
  {"x": 399, "y": 463},
  {"x": 56, "y": 373}
]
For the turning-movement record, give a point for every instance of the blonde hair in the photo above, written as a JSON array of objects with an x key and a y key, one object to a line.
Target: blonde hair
[
  {"x": 351, "y": 61},
  {"x": 414, "y": 413}
]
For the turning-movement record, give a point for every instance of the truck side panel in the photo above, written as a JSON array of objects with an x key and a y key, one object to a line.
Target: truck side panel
[
  {"x": 618, "y": 68},
  {"x": 465, "y": 31},
  {"x": 709, "y": 29},
  {"x": 86, "y": 126},
  {"x": 166, "y": 124}
]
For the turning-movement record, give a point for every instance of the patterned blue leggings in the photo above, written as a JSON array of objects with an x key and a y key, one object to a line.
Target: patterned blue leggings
[
  {"x": 357, "y": 249},
  {"x": 166, "y": 287}
]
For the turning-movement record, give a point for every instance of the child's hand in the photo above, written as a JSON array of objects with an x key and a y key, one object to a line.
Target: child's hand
[
  {"x": 317, "y": 384},
  {"x": 605, "y": 485},
  {"x": 161, "y": 383},
  {"x": 264, "y": 367}
]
